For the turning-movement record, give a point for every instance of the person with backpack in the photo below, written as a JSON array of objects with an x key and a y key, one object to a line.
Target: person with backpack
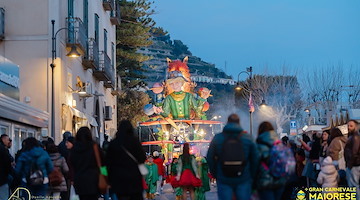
[
  {"x": 269, "y": 186},
  {"x": 57, "y": 183},
  {"x": 233, "y": 159},
  {"x": 33, "y": 167}
]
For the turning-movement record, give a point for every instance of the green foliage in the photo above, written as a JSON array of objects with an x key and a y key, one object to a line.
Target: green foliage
[
  {"x": 180, "y": 48},
  {"x": 131, "y": 104},
  {"x": 132, "y": 33}
]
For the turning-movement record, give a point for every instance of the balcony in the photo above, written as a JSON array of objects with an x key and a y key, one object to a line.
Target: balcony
[
  {"x": 115, "y": 15},
  {"x": 105, "y": 71},
  {"x": 2, "y": 23},
  {"x": 76, "y": 34},
  {"x": 108, "y": 5},
  {"x": 317, "y": 120},
  {"x": 91, "y": 58}
]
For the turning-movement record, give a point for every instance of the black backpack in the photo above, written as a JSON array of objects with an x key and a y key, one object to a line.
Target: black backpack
[
  {"x": 35, "y": 176},
  {"x": 232, "y": 156}
]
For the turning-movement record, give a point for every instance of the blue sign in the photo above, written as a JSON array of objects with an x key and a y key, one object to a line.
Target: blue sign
[
  {"x": 9, "y": 78},
  {"x": 292, "y": 124}
]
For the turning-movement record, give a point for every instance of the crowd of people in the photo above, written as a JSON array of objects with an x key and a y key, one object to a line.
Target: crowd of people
[{"x": 327, "y": 159}]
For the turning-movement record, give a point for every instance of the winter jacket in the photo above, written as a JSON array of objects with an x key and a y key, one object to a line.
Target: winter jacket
[
  {"x": 124, "y": 175},
  {"x": 250, "y": 152},
  {"x": 35, "y": 155},
  {"x": 86, "y": 171},
  {"x": 328, "y": 176},
  {"x": 5, "y": 165},
  {"x": 160, "y": 166},
  {"x": 264, "y": 179},
  {"x": 59, "y": 162},
  {"x": 352, "y": 149},
  {"x": 334, "y": 148}
]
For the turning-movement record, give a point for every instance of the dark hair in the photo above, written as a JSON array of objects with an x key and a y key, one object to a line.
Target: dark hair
[
  {"x": 186, "y": 153},
  {"x": 233, "y": 118},
  {"x": 335, "y": 132},
  {"x": 51, "y": 148},
  {"x": 355, "y": 121},
  {"x": 125, "y": 128},
  {"x": 305, "y": 138},
  {"x": 71, "y": 139},
  {"x": 30, "y": 143},
  {"x": 84, "y": 135},
  {"x": 285, "y": 140},
  {"x": 265, "y": 127},
  {"x": 4, "y": 135}
]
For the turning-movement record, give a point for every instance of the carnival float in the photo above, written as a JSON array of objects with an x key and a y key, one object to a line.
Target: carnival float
[{"x": 178, "y": 113}]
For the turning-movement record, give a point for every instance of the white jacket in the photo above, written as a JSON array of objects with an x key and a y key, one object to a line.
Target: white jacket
[{"x": 328, "y": 176}]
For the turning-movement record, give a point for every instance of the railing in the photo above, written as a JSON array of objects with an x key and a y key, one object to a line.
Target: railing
[
  {"x": 105, "y": 72},
  {"x": 76, "y": 33},
  {"x": 108, "y": 5},
  {"x": 317, "y": 120},
  {"x": 115, "y": 15},
  {"x": 91, "y": 60}
]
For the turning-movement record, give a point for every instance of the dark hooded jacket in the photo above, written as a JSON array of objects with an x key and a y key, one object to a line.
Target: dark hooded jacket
[
  {"x": 250, "y": 152},
  {"x": 86, "y": 171}
]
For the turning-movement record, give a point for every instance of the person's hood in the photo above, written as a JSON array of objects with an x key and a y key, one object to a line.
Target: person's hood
[
  {"x": 343, "y": 139},
  {"x": 327, "y": 166},
  {"x": 268, "y": 137},
  {"x": 33, "y": 154},
  {"x": 232, "y": 128}
]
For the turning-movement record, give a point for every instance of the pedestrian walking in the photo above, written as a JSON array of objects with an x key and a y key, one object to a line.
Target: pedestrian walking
[
  {"x": 86, "y": 170},
  {"x": 124, "y": 175},
  {"x": 33, "y": 167},
  {"x": 161, "y": 171},
  {"x": 151, "y": 178},
  {"x": 5, "y": 169},
  {"x": 178, "y": 190},
  {"x": 269, "y": 187},
  {"x": 187, "y": 173},
  {"x": 336, "y": 148},
  {"x": 59, "y": 164},
  {"x": 247, "y": 157},
  {"x": 328, "y": 176},
  {"x": 325, "y": 141},
  {"x": 203, "y": 170},
  {"x": 352, "y": 156}
]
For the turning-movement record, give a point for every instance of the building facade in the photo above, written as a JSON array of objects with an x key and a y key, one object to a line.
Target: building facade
[{"x": 84, "y": 87}]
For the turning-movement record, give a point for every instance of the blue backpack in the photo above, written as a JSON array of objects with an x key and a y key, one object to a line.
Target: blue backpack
[{"x": 281, "y": 160}]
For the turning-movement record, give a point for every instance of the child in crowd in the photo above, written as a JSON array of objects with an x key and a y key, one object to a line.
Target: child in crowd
[
  {"x": 328, "y": 176},
  {"x": 151, "y": 178}
]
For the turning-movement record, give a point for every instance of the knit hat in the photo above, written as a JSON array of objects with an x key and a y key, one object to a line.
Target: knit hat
[{"x": 327, "y": 161}]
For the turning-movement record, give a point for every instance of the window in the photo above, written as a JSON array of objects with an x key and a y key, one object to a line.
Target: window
[
  {"x": 113, "y": 54},
  {"x": 105, "y": 40},
  {"x": 97, "y": 29}
]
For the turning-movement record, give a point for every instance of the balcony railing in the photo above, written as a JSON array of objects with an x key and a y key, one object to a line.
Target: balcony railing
[
  {"x": 76, "y": 34},
  {"x": 115, "y": 15},
  {"x": 2, "y": 23},
  {"x": 91, "y": 58},
  {"x": 105, "y": 71},
  {"x": 317, "y": 120},
  {"x": 108, "y": 5}
]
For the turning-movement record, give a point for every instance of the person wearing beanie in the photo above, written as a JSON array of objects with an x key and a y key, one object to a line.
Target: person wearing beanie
[
  {"x": 62, "y": 145},
  {"x": 328, "y": 176}
]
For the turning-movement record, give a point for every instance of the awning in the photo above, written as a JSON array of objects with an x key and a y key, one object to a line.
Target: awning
[{"x": 79, "y": 114}]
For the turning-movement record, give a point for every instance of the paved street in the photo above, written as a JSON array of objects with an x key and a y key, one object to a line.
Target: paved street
[{"x": 167, "y": 194}]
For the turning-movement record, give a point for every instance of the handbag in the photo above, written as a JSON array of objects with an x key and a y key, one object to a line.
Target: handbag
[
  {"x": 142, "y": 168},
  {"x": 73, "y": 195},
  {"x": 342, "y": 163},
  {"x": 103, "y": 184}
]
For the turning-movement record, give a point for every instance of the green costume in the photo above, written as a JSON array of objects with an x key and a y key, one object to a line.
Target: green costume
[
  {"x": 151, "y": 177},
  {"x": 203, "y": 171},
  {"x": 180, "y": 104}
]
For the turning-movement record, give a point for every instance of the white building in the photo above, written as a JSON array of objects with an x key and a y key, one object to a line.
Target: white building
[{"x": 84, "y": 87}]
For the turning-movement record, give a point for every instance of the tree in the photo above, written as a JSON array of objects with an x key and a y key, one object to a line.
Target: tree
[
  {"x": 180, "y": 49},
  {"x": 282, "y": 94},
  {"x": 132, "y": 33},
  {"x": 130, "y": 106}
]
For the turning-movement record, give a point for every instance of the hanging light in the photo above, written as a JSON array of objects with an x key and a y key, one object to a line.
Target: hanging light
[
  {"x": 73, "y": 52},
  {"x": 263, "y": 103}
]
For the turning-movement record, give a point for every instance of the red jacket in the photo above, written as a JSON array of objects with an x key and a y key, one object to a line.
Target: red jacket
[{"x": 159, "y": 162}]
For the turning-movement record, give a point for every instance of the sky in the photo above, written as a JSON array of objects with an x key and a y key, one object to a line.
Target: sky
[{"x": 266, "y": 34}]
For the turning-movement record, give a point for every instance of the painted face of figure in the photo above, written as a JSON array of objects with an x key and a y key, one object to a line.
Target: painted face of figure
[
  {"x": 352, "y": 126},
  {"x": 176, "y": 86}
]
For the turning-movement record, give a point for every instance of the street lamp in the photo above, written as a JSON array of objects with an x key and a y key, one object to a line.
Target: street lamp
[
  {"x": 73, "y": 53},
  {"x": 238, "y": 87}
]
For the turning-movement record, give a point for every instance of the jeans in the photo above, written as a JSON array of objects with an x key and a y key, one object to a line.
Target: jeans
[
  {"x": 274, "y": 194},
  {"x": 241, "y": 191},
  {"x": 158, "y": 184},
  {"x": 4, "y": 191},
  {"x": 352, "y": 177}
]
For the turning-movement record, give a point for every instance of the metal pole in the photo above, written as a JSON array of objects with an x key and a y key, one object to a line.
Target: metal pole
[
  {"x": 250, "y": 87},
  {"x": 52, "y": 65}
]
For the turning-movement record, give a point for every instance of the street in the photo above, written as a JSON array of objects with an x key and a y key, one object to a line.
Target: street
[{"x": 167, "y": 193}]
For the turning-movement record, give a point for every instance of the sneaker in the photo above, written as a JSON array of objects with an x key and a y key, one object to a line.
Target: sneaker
[{"x": 156, "y": 193}]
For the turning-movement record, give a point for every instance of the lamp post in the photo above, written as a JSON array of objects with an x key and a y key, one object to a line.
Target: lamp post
[
  {"x": 73, "y": 53},
  {"x": 238, "y": 87}
]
